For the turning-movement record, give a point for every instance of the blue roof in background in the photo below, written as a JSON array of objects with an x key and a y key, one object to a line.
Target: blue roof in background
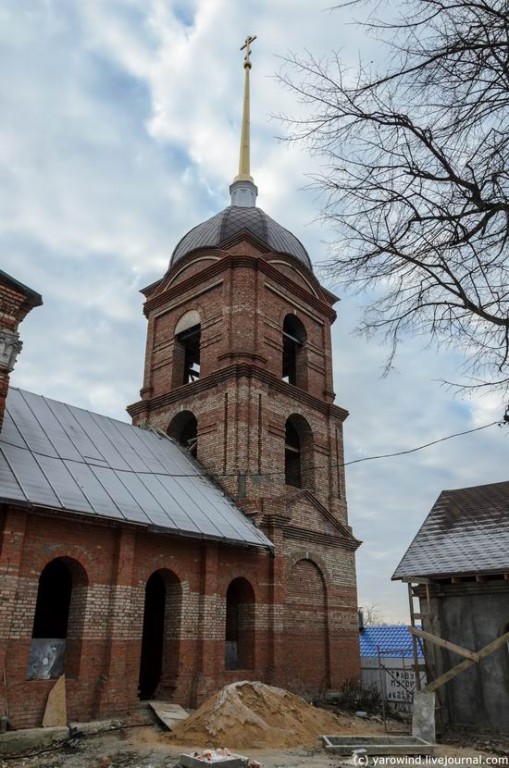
[{"x": 392, "y": 638}]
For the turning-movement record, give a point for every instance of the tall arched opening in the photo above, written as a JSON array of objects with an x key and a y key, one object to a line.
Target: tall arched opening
[
  {"x": 160, "y": 643},
  {"x": 240, "y": 625},
  {"x": 186, "y": 349},
  {"x": 58, "y": 620},
  {"x": 299, "y": 458},
  {"x": 294, "y": 352}
]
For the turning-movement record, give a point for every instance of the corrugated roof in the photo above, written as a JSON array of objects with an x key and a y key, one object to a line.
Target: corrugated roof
[
  {"x": 466, "y": 532},
  {"x": 394, "y": 639},
  {"x": 58, "y": 456}
]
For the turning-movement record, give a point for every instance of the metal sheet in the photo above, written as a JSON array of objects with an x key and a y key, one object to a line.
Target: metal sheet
[
  {"x": 162, "y": 491},
  {"x": 130, "y": 509},
  {"x": 10, "y": 488},
  {"x": 467, "y": 531},
  {"x": 64, "y": 447},
  {"x": 155, "y": 511},
  {"x": 10, "y": 428},
  {"x": 33, "y": 434},
  {"x": 107, "y": 448},
  {"x": 46, "y": 659},
  {"x": 223, "y": 511},
  {"x": 204, "y": 511},
  {"x": 141, "y": 441},
  {"x": 100, "y": 501},
  {"x": 54, "y": 455},
  {"x": 30, "y": 477},
  {"x": 199, "y": 515},
  {"x": 63, "y": 484},
  {"x": 65, "y": 415},
  {"x": 121, "y": 438}
]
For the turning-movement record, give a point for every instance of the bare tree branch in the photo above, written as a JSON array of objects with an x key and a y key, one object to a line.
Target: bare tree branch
[{"x": 416, "y": 182}]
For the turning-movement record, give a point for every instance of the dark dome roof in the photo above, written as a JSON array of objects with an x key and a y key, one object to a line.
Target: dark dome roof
[{"x": 234, "y": 219}]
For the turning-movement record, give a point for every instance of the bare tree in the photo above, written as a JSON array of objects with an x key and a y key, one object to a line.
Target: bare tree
[
  {"x": 373, "y": 616},
  {"x": 416, "y": 180}
]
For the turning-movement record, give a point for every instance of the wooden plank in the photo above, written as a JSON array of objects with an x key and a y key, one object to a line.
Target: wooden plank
[
  {"x": 421, "y": 616},
  {"x": 168, "y": 713},
  {"x": 416, "y": 580},
  {"x": 414, "y": 640},
  {"x": 452, "y": 673},
  {"x": 444, "y": 644},
  {"x": 56, "y": 707}
]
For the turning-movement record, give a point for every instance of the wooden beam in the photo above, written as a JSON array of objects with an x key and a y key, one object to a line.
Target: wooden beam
[
  {"x": 416, "y": 580},
  {"x": 452, "y": 673},
  {"x": 445, "y": 644}
]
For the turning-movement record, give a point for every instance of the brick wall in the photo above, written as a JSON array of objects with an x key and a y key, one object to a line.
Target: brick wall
[
  {"x": 16, "y": 300},
  {"x": 241, "y": 405},
  {"x": 299, "y": 625}
]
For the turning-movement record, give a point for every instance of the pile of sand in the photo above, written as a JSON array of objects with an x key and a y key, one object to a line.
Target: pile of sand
[{"x": 254, "y": 715}]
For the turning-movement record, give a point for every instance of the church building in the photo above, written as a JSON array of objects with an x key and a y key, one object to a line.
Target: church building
[{"x": 209, "y": 541}]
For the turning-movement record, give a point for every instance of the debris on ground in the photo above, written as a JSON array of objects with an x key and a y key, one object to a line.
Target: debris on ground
[
  {"x": 254, "y": 715},
  {"x": 169, "y": 714},
  {"x": 217, "y": 757}
]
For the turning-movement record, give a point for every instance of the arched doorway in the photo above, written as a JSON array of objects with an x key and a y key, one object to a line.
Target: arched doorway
[
  {"x": 240, "y": 625},
  {"x": 307, "y": 652},
  {"x": 160, "y": 640},
  {"x": 58, "y": 620}
]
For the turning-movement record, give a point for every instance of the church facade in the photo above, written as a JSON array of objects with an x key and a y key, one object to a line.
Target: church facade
[{"x": 209, "y": 542}]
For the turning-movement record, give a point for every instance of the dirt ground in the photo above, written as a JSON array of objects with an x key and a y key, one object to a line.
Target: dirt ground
[{"x": 149, "y": 747}]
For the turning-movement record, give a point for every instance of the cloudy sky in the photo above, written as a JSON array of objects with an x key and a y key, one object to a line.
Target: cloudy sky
[{"x": 119, "y": 132}]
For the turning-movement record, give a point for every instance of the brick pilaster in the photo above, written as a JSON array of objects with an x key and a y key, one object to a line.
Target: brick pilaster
[{"x": 12, "y": 540}]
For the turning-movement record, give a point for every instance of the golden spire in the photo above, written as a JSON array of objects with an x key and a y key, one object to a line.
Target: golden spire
[{"x": 244, "y": 170}]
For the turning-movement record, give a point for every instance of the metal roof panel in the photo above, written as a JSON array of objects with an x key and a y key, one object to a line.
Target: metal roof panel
[
  {"x": 59, "y": 456},
  {"x": 466, "y": 532}
]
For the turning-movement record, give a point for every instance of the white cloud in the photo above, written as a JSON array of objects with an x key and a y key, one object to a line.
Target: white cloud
[{"x": 120, "y": 131}]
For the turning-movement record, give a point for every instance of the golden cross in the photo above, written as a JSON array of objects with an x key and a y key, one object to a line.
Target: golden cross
[{"x": 249, "y": 39}]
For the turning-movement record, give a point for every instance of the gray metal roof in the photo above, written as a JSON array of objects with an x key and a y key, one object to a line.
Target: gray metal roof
[
  {"x": 235, "y": 219},
  {"x": 60, "y": 457},
  {"x": 466, "y": 532}
]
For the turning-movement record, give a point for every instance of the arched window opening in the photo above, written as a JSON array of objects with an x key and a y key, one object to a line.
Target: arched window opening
[
  {"x": 184, "y": 430},
  {"x": 240, "y": 625},
  {"x": 160, "y": 646},
  {"x": 190, "y": 342},
  {"x": 294, "y": 355},
  {"x": 53, "y": 601},
  {"x": 299, "y": 460},
  {"x": 293, "y": 473},
  {"x": 58, "y": 621},
  {"x": 186, "y": 352}
]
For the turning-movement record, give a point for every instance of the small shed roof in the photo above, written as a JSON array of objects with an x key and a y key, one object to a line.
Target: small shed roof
[
  {"x": 466, "y": 533},
  {"x": 59, "y": 457},
  {"x": 393, "y": 640}
]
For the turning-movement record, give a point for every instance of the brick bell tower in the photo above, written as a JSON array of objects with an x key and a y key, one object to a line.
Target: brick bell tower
[{"x": 238, "y": 370}]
